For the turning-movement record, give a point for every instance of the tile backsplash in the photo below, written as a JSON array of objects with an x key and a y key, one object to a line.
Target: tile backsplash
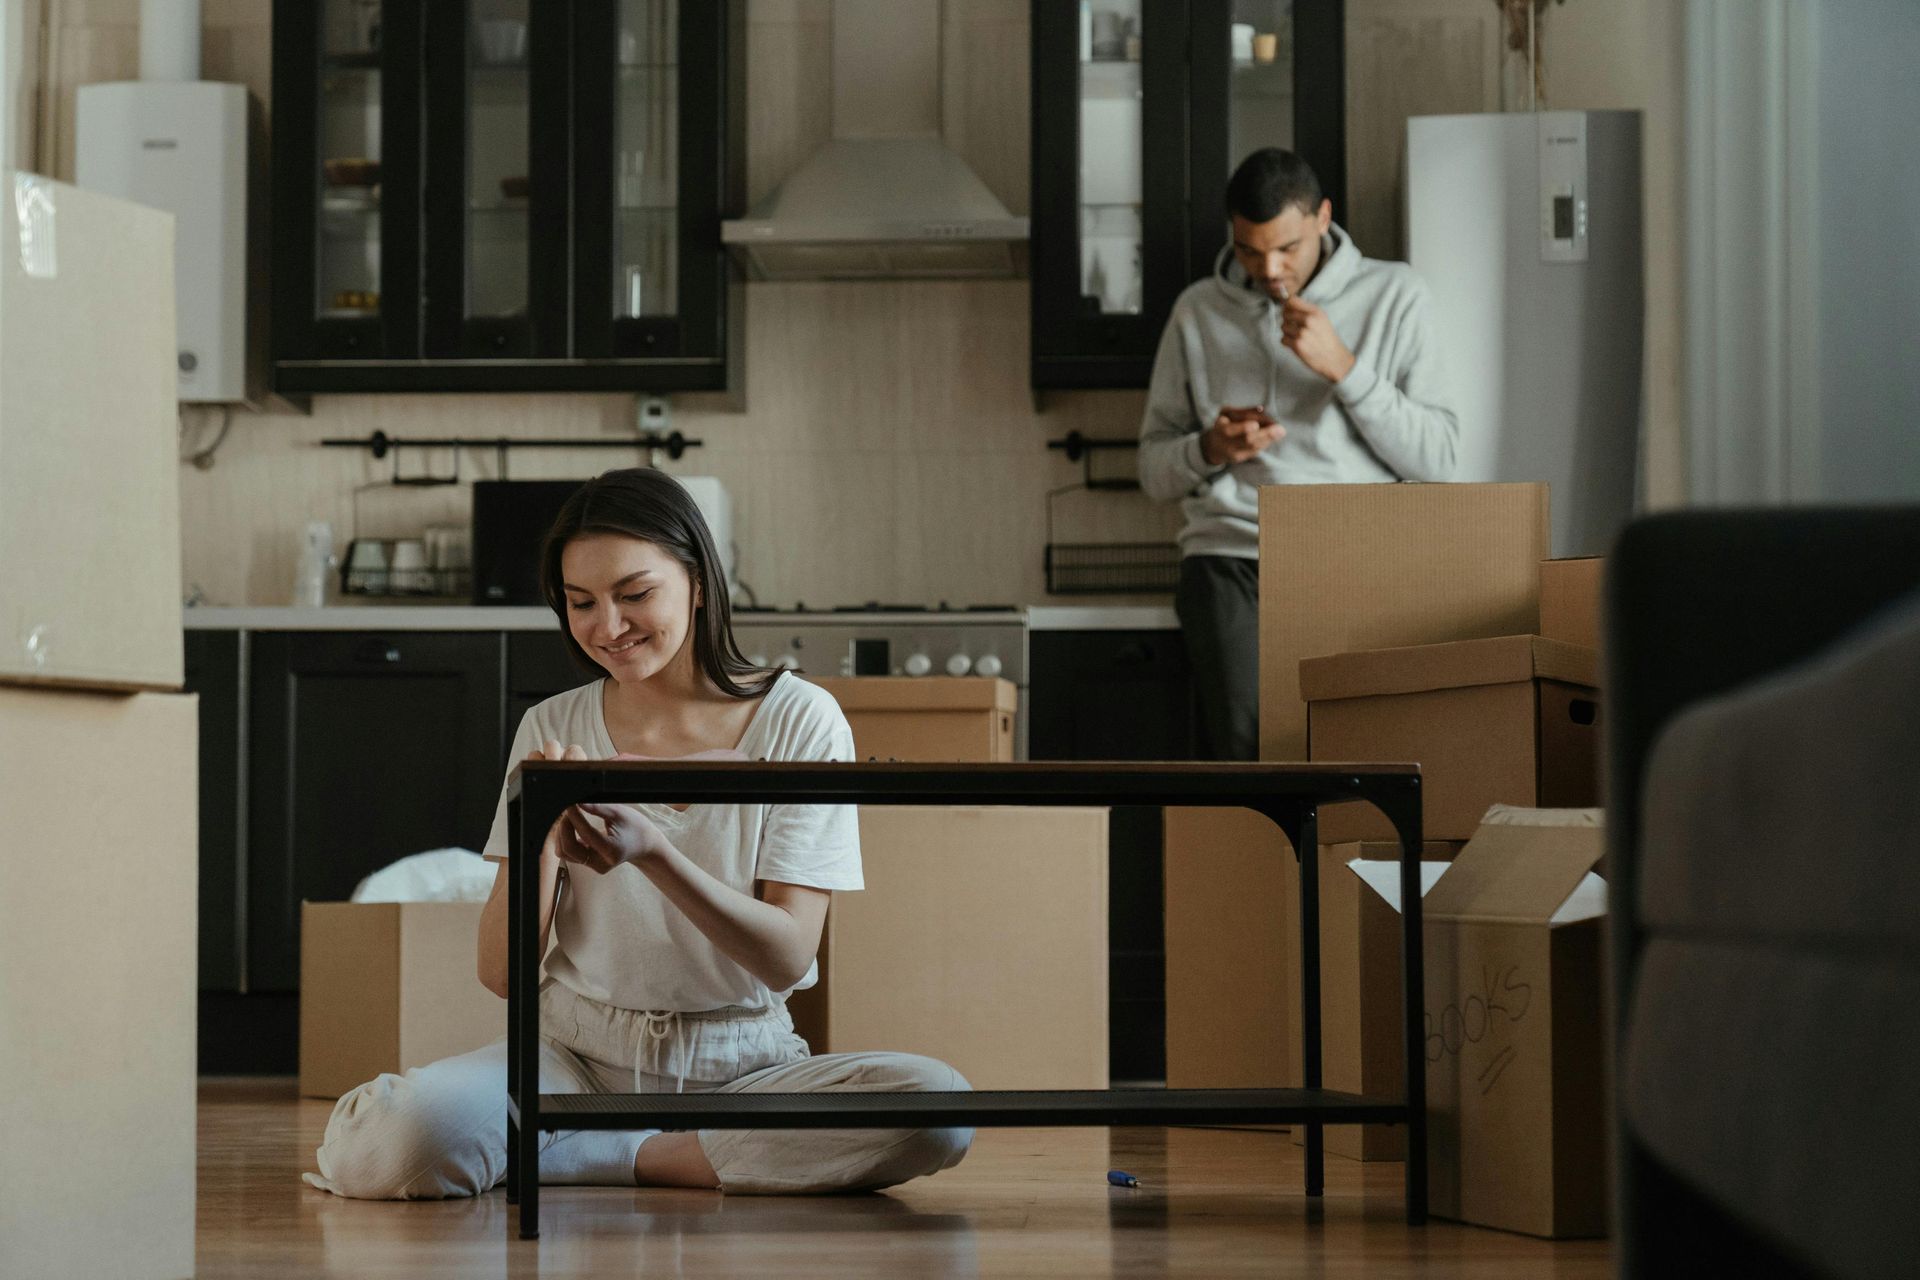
[{"x": 890, "y": 449}]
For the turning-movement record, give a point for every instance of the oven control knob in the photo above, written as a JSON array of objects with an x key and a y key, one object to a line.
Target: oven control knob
[
  {"x": 787, "y": 662},
  {"x": 959, "y": 664},
  {"x": 987, "y": 666},
  {"x": 757, "y": 659},
  {"x": 918, "y": 664}
]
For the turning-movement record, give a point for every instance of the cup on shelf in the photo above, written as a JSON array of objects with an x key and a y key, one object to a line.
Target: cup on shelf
[
  {"x": 1242, "y": 43},
  {"x": 1266, "y": 46},
  {"x": 410, "y": 571},
  {"x": 367, "y": 566}
]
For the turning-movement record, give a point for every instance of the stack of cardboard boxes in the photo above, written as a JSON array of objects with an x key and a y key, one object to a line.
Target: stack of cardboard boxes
[
  {"x": 98, "y": 834},
  {"x": 1403, "y": 623}
]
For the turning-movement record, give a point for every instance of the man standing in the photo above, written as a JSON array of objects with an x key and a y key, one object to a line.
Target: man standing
[{"x": 1298, "y": 361}]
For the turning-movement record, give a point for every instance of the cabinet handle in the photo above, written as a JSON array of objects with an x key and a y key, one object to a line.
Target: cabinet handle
[
  {"x": 376, "y": 651},
  {"x": 499, "y": 340}
]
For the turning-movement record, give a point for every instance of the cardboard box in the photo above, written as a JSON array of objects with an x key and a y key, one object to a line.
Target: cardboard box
[
  {"x": 1511, "y": 720},
  {"x": 1360, "y": 1050},
  {"x": 385, "y": 986},
  {"x": 1570, "y": 600},
  {"x": 1516, "y": 1100},
  {"x": 99, "y": 860},
  {"x": 1232, "y": 891},
  {"x": 935, "y": 718},
  {"x": 1375, "y": 566},
  {"x": 89, "y": 477},
  {"x": 980, "y": 940}
]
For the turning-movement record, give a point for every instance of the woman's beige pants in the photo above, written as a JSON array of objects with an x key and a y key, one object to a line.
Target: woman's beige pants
[{"x": 441, "y": 1130}]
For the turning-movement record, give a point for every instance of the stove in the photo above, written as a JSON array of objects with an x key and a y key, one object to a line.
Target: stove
[{"x": 876, "y": 639}]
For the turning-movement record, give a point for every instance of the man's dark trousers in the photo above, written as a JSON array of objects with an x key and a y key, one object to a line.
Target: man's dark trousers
[{"x": 1218, "y": 603}]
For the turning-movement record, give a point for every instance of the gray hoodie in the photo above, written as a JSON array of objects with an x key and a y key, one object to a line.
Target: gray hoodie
[{"x": 1383, "y": 422}]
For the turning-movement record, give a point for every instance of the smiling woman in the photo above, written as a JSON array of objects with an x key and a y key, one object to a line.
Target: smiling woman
[{"x": 677, "y": 933}]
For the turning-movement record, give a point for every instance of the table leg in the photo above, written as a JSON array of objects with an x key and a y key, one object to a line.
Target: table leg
[
  {"x": 1413, "y": 1002},
  {"x": 513, "y": 1005},
  {"x": 1302, "y": 829},
  {"x": 523, "y": 1015}
]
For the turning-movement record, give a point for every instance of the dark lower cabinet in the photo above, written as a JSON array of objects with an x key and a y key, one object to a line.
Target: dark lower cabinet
[
  {"x": 1120, "y": 695},
  {"x": 538, "y": 667},
  {"x": 364, "y": 748},
  {"x": 215, "y": 670}
]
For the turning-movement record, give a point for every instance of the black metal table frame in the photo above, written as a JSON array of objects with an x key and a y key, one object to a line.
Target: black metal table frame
[{"x": 1287, "y": 794}]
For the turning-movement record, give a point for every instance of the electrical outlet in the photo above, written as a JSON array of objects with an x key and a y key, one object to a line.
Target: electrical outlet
[{"x": 651, "y": 414}]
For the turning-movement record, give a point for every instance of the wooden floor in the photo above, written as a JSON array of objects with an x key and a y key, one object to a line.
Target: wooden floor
[{"x": 1025, "y": 1202}]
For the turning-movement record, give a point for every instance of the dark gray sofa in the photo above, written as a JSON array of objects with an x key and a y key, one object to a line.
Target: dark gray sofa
[{"x": 1763, "y": 703}]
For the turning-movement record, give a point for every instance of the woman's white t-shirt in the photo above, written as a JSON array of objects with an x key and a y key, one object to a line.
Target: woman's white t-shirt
[{"x": 616, "y": 937}]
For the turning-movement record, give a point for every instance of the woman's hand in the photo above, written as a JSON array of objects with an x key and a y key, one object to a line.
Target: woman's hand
[{"x": 621, "y": 834}]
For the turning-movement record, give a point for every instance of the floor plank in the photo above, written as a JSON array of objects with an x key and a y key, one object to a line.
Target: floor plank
[{"x": 1025, "y": 1202}]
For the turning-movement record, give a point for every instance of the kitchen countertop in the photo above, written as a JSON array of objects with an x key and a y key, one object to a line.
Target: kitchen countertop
[
  {"x": 353, "y": 617},
  {"x": 460, "y": 617},
  {"x": 1129, "y": 617}
]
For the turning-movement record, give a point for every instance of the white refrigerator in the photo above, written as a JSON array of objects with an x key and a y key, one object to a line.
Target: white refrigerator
[{"x": 1527, "y": 230}]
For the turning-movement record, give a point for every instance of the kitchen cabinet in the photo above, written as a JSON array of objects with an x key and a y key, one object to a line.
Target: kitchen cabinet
[
  {"x": 538, "y": 667},
  {"x": 365, "y": 747},
  {"x": 499, "y": 195},
  {"x": 215, "y": 671},
  {"x": 1120, "y": 695},
  {"x": 1141, "y": 111}
]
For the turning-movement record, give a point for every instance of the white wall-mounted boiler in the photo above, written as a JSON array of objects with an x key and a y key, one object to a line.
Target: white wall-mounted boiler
[{"x": 181, "y": 146}]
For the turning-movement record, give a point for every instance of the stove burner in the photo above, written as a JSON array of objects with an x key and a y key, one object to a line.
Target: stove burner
[{"x": 874, "y": 606}]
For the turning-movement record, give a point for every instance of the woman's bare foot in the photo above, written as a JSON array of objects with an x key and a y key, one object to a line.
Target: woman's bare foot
[{"x": 673, "y": 1160}]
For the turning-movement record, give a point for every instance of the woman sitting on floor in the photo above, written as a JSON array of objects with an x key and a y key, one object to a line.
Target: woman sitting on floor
[{"x": 677, "y": 932}]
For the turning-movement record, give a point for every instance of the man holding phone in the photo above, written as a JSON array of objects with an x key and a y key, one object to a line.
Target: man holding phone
[{"x": 1299, "y": 361}]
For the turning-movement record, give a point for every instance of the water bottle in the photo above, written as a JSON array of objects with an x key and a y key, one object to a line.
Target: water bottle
[{"x": 311, "y": 582}]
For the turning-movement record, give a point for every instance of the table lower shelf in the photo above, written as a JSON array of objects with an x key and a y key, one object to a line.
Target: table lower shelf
[{"x": 920, "y": 1110}]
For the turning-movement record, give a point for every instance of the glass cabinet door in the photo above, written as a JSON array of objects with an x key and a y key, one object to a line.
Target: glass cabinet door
[
  {"x": 348, "y": 216},
  {"x": 496, "y": 183},
  {"x": 648, "y": 76},
  {"x": 1109, "y": 79},
  {"x": 1272, "y": 72}
]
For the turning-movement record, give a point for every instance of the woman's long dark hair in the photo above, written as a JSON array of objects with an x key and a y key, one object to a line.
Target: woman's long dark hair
[{"x": 651, "y": 505}]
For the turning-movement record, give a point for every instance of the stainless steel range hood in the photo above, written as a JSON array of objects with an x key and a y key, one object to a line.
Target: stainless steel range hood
[{"x": 885, "y": 199}]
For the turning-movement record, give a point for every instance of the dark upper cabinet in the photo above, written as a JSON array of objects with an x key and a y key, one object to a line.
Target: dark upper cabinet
[
  {"x": 1141, "y": 110},
  {"x": 365, "y": 748},
  {"x": 506, "y": 195}
]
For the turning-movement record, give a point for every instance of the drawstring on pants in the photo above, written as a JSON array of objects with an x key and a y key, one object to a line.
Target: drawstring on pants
[{"x": 656, "y": 1025}]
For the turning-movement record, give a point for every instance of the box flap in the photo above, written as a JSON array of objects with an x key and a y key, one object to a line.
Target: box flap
[
  {"x": 1457, "y": 664},
  {"x": 1519, "y": 873},
  {"x": 1384, "y": 877}
]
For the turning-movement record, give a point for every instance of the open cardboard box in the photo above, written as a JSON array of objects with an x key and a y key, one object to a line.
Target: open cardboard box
[
  {"x": 1516, "y": 1132},
  {"x": 1360, "y": 1050},
  {"x": 386, "y": 986}
]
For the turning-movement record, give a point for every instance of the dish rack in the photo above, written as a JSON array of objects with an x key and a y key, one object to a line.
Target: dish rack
[
  {"x": 385, "y": 580},
  {"x": 1089, "y": 568},
  {"x": 1103, "y": 568}
]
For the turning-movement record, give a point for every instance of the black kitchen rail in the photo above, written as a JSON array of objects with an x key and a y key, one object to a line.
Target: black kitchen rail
[{"x": 1288, "y": 794}]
